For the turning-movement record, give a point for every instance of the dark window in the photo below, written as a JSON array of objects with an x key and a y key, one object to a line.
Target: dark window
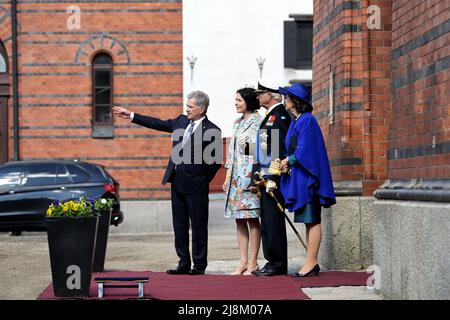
[
  {"x": 3, "y": 59},
  {"x": 41, "y": 175},
  {"x": 298, "y": 42},
  {"x": 97, "y": 173},
  {"x": 102, "y": 95},
  {"x": 77, "y": 174},
  {"x": 2, "y": 63},
  {"x": 62, "y": 175},
  {"x": 9, "y": 177}
]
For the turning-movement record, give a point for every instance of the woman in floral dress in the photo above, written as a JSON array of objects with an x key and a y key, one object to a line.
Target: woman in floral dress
[{"x": 240, "y": 203}]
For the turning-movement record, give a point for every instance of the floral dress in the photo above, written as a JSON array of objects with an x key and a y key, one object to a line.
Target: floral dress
[{"x": 240, "y": 203}]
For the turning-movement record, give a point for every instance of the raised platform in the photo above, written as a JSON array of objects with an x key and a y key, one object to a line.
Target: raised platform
[{"x": 162, "y": 286}]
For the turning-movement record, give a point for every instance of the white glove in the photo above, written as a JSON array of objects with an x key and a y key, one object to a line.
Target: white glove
[{"x": 270, "y": 186}]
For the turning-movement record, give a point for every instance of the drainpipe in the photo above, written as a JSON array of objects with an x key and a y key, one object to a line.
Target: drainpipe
[
  {"x": 15, "y": 81},
  {"x": 367, "y": 109}
]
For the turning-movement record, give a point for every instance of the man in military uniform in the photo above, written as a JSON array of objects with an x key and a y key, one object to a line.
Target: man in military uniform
[{"x": 271, "y": 146}]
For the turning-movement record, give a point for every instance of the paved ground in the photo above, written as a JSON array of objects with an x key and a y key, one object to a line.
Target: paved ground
[{"x": 25, "y": 264}]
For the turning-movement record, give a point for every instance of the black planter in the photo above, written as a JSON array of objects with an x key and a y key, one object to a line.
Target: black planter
[
  {"x": 71, "y": 243},
  {"x": 102, "y": 239}
]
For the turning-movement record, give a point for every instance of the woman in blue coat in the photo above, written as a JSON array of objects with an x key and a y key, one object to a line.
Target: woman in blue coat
[{"x": 307, "y": 184}]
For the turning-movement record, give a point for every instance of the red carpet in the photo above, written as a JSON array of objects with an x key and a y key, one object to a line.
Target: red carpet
[{"x": 163, "y": 286}]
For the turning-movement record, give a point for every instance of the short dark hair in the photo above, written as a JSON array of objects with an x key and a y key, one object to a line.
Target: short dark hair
[
  {"x": 301, "y": 105},
  {"x": 250, "y": 98}
]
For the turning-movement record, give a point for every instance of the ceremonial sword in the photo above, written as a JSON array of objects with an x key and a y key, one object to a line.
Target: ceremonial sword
[{"x": 260, "y": 181}]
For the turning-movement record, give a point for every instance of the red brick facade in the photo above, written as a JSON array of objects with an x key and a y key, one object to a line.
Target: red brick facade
[
  {"x": 419, "y": 143},
  {"x": 391, "y": 110},
  {"x": 390, "y": 89},
  {"x": 144, "y": 39}
]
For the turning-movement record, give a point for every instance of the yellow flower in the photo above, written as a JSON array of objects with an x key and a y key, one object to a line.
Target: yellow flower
[
  {"x": 49, "y": 212},
  {"x": 75, "y": 207}
]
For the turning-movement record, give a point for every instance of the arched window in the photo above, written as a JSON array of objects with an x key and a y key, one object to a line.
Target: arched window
[{"x": 102, "y": 96}]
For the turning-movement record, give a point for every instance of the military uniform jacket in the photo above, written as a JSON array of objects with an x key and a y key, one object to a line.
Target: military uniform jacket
[{"x": 271, "y": 138}]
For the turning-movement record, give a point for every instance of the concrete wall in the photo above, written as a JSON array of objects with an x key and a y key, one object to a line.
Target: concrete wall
[
  {"x": 347, "y": 234},
  {"x": 145, "y": 217},
  {"x": 411, "y": 247},
  {"x": 156, "y": 216}
]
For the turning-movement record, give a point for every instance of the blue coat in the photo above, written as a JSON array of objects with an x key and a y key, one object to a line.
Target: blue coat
[{"x": 310, "y": 173}]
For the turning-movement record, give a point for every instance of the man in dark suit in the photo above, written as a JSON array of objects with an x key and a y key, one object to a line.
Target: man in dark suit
[
  {"x": 194, "y": 161},
  {"x": 271, "y": 146}
]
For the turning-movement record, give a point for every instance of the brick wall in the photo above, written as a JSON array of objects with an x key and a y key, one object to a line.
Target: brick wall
[
  {"x": 391, "y": 89},
  {"x": 144, "y": 38},
  {"x": 360, "y": 61},
  {"x": 420, "y": 130}
]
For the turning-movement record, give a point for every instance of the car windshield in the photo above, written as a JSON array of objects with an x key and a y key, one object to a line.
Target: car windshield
[
  {"x": 9, "y": 177},
  {"x": 41, "y": 174}
]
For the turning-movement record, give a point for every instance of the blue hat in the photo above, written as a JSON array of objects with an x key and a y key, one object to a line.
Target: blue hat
[{"x": 299, "y": 91}]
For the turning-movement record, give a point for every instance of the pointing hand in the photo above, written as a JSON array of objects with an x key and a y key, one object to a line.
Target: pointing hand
[{"x": 121, "y": 112}]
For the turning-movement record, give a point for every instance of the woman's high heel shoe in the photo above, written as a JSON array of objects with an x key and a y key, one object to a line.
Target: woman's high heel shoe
[
  {"x": 313, "y": 272},
  {"x": 249, "y": 271},
  {"x": 238, "y": 271}
]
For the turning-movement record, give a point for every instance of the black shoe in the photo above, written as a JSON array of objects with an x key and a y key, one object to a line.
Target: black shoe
[
  {"x": 269, "y": 272},
  {"x": 196, "y": 271},
  {"x": 311, "y": 273},
  {"x": 264, "y": 269},
  {"x": 179, "y": 270}
]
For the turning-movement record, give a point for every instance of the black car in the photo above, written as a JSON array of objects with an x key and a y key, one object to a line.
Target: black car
[{"x": 27, "y": 188}]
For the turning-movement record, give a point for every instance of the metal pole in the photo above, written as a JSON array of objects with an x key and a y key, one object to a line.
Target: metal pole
[
  {"x": 295, "y": 231},
  {"x": 287, "y": 218},
  {"x": 141, "y": 289},
  {"x": 100, "y": 290}
]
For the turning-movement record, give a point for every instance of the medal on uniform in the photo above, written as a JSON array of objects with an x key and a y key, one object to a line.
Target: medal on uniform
[{"x": 272, "y": 118}]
